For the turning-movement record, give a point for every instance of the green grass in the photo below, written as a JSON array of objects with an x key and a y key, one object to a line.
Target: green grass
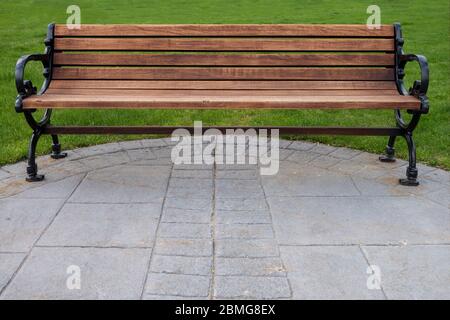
[{"x": 425, "y": 26}]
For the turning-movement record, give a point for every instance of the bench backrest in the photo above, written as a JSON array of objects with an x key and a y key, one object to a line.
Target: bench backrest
[{"x": 286, "y": 56}]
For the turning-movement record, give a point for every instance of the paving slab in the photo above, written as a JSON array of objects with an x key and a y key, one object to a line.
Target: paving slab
[
  {"x": 359, "y": 220},
  {"x": 9, "y": 264},
  {"x": 103, "y": 225},
  {"x": 177, "y": 285},
  {"x": 123, "y": 184},
  {"x": 328, "y": 273},
  {"x": 107, "y": 273},
  {"x": 413, "y": 272},
  {"x": 241, "y": 287},
  {"x": 22, "y": 221},
  {"x": 181, "y": 265}
]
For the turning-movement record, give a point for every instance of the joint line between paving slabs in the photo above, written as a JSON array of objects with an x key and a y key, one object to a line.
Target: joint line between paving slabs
[
  {"x": 156, "y": 234},
  {"x": 291, "y": 292},
  {"x": 40, "y": 236},
  {"x": 366, "y": 258}
]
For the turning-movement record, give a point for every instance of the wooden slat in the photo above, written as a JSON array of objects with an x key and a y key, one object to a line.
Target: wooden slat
[
  {"x": 223, "y": 85},
  {"x": 223, "y": 44},
  {"x": 219, "y": 102},
  {"x": 227, "y": 93},
  {"x": 298, "y": 60},
  {"x": 225, "y": 73},
  {"x": 326, "y": 30}
]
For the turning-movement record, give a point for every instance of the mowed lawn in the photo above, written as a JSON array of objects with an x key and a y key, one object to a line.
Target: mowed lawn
[{"x": 23, "y": 25}]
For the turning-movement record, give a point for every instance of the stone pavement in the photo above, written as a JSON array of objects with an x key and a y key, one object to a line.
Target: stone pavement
[{"x": 135, "y": 226}]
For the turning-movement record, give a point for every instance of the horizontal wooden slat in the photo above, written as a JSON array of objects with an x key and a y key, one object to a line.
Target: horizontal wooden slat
[
  {"x": 219, "y": 101},
  {"x": 227, "y": 93},
  {"x": 225, "y": 73},
  {"x": 328, "y": 30},
  {"x": 224, "y": 84},
  {"x": 223, "y": 44},
  {"x": 90, "y": 59}
]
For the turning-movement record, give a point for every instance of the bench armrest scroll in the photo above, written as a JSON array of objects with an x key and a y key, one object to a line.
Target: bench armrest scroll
[{"x": 420, "y": 87}]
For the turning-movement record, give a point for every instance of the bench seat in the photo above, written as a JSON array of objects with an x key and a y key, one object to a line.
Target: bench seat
[{"x": 211, "y": 99}]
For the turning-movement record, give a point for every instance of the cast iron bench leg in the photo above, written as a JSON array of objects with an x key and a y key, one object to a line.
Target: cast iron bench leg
[
  {"x": 56, "y": 148},
  {"x": 32, "y": 169},
  {"x": 390, "y": 151},
  {"x": 411, "y": 170}
]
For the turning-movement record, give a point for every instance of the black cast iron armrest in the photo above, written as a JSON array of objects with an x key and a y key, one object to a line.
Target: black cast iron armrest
[
  {"x": 420, "y": 87},
  {"x": 25, "y": 88}
]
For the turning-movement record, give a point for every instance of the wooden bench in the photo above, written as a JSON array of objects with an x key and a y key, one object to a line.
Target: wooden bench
[{"x": 223, "y": 66}]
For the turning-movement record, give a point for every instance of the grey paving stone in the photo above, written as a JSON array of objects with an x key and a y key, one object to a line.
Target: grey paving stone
[
  {"x": 9, "y": 264},
  {"x": 104, "y": 273},
  {"x": 302, "y": 157},
  {"x": 141, "y": 154},
  {"x": 193, "y": 166},
  {"x": 184, "y": 247},
  {"x": 177, "y": 285},
  {"x": 16, "y": 168},
  {"x": 53, "y": 190},
  {"x": 359, "y": 220},
  {"x": 181, "y": 265},
  {"x": 245, "y": 166},
  {"x": 426, "y": 186},
  {"x": 202, "y": 185},
  {"x": 371, "y": 187},
  {"x": 242, "y": 216},
  {"x": 242, "y": 204},
  {"x": 4, "y": 174},
  {"x": 251, "y": 287},
  {"x": 153, "y": 162},
  {"x": 324, "y": 161},
  {"x": 438, "y": 175},
  {"x": 165, "y": 152},
  {"x": 186, "y": 215},
  {"x": 246, "y": 248},
  {"x": 328, "y": 273},
  {"x": 301, "y": 145},
  {"x": 184, "y": 230},
  {"x": 96, "y": 150},
  {"x": 238, "y": 189},
  {"x": 413, "y": 272},
  {"x": 23, "y": 220},
  {"x": 284, "y": 143},
  {"x": 195, "y": 203},
  {"x": 344, "y": 153},
  {"x": 323, "y": 149},
  {"x": 103, "y": 225},
  {"x": 196, "y": 174},
  {"x": 441, "y": 196},
  {"x": 124, "y": 184},
  {"x": 244, "y": 231},
  {"x": 130, "y": 145},
  {"x": 190, "y": 192},
  {"x": 291, "y": 181},
  {"x": 272, "y": 267},
  {"x": 238, "y": 174},
  {"x": 152, "y": 143},
  {"x": 106, "y": 160}
]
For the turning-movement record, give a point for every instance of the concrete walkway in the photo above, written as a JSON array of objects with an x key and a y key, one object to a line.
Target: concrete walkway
[{"x": 131, "y": 225}]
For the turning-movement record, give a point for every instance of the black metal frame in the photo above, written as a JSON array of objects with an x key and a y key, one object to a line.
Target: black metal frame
[
  {"x": 419, "y": 89},
  {"x": 25, "y": 88}
]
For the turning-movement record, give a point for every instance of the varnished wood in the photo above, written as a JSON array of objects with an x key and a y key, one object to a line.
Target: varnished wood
[
  {"x": 223, "y": 84},
  {"x": 102, "y": 59},
  {"x": 223, "y": 44},
  {"x": 220, "y": 101},
  {"x": 200, "y": 73},
  {"x": 227, "y": 93},
  {"x": 304, "y": 30}
]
